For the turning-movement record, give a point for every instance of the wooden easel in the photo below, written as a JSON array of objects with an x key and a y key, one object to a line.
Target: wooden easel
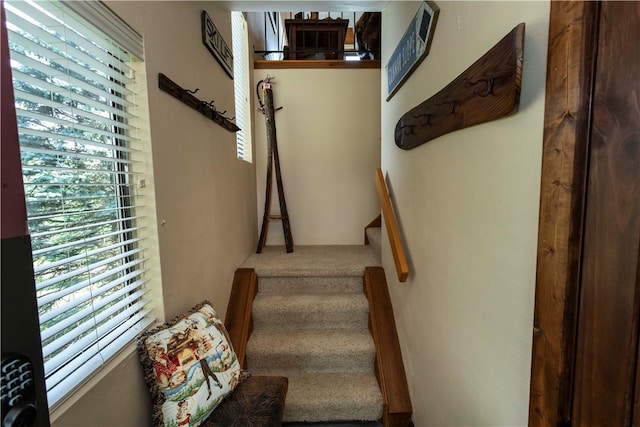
[{"x": 273, "y": 162}]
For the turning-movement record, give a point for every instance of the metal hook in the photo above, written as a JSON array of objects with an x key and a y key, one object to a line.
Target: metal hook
[
  {"x": 210, "y": 104},
  {"x": 192, "y": 92}
]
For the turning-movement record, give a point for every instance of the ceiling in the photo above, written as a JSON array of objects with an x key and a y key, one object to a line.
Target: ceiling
[{"x": 289, "y": 5}]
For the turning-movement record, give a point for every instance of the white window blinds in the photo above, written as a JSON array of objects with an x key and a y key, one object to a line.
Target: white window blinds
[
  {"x": 240, "y": 42},
  {"x": 75, "y": 104}
]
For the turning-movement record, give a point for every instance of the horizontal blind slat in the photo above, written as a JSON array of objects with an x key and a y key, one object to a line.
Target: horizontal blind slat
[
  {"x": 77, "y": 155},
  {"x": 22, "y": 113},
  {"x": 68, "y": 260},
  {"x": 91, "y": 53},
  {"x": 84, "y": 226},
  {"x": 47, "y": 102},
  {"x": 85, "y": 269},
  {"x": 60, "y": 74},
  {"x": 90, "y": 341},
  {"x": 49, "y": 168},
  {"x": 71, "y": 374},
  {"x": 54, "y": 296},
  {"x": 80, "y": 65},
  {"x": 91, "y": 321},
  {"x": 73, "y": 140},
  {"x": 60, "y": 326},
  {"x": 34, "y": 82},
  {"x": 107, "y": 23},
  {"x": 70, "y": 214},
  {"x": 45, "y": 317}
]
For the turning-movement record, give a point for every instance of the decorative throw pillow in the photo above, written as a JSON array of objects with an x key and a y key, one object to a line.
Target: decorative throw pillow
[{"x": 189, "y": 365}]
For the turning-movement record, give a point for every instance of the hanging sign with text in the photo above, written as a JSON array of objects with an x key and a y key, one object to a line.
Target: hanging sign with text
[
  {"x": 213, "y": 40},
  {"x": 413, "y": 47}
]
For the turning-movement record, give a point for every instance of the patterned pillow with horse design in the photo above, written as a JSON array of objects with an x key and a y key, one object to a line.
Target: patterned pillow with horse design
[{"x": 189, "y": 365}]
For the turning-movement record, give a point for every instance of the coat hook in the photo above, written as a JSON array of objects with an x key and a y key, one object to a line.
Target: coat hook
[{"x": 207, "y": 109}]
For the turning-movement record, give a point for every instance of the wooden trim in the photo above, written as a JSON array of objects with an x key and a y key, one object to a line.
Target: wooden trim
[
  {"x": 376, "y": 223},
  {"x": 389, "y": 365},
  {"x": 399, "y": 258},
  {"x": 238, "y": 320},
  {"x": 260, "y": 64},
  {"x": 570, "y": 72}
]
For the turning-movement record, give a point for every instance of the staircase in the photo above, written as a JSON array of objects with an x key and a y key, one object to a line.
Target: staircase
[{"x": 310, "y": 324}]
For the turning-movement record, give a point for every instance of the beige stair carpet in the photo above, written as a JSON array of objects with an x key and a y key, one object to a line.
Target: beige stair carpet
[{"x": 311, "y": 325}]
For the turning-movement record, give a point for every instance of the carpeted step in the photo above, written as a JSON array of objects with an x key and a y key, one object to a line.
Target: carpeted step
[
  {"x": 374, "y": 235},
  {"x": 310, "y": 324},
  {"x": 309, "y": 284},
  {"x": 310, "y": 311},
  {"x": 285, "y": 352},
  {"x": 333, "y": 397},
  {"x": 336, "y": 260}
]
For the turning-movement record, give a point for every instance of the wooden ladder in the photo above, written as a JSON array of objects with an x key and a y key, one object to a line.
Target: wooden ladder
[{"x": 273, "y": 162}]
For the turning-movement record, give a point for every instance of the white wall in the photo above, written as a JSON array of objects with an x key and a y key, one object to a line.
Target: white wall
[
  {"x": 467, "y": 204},
  {"x": 206, "y": 200},
  {"x": 329, "y": 145}
]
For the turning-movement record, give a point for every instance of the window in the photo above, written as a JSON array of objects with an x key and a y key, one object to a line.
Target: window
[
  {"x": 240, "y": 42},
  {"x": 75, "y": 107}
]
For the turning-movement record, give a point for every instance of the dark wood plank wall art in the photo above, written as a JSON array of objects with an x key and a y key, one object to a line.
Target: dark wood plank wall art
[
  {"x": 487, "y": 90},
  {"x": 187, "y": 97}
]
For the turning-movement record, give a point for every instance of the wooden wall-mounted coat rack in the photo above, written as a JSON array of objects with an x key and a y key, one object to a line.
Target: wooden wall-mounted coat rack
[{"x": 186, "y": 96}]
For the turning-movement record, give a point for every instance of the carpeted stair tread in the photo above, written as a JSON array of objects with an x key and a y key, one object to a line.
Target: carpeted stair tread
[
  {"x": 309, "y": 284},
  {"x": 333, "y": 260},
  {"x": 333, "y": 397},
  {"x": 310, "y": 311},
  {"x": 282, "y": 352},
  {"x": 310, "y": 324}
]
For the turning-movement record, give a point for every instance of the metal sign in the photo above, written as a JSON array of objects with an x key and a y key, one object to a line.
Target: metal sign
[
  {"x": 213, "y": 40},
  {"x": 413, "y": 47}
]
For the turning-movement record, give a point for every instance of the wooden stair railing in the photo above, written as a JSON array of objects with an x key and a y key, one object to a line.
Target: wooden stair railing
[
  {"x": 388, "y": 363},
  {"x": 238, "y": 320},
  {"x": 399, "y": 258},
  {"x": 389, "y": 367}
]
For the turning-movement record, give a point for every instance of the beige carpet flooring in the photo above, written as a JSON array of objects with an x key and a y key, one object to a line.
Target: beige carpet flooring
[{"x": 311, "y": 325}]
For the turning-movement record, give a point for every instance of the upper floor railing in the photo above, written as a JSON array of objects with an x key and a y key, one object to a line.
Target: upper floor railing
[{"x": 309, "y": 36}]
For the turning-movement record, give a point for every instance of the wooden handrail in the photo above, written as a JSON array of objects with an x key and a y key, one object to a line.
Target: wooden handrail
[{"x": 399, "y": 258}]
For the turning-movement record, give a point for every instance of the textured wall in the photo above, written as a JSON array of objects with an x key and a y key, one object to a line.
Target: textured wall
[
  {"x": 329, "y": 145},
  {"x": 467, "y": 204}
]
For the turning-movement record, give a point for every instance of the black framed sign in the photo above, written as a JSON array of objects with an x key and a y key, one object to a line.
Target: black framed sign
[
  {"x": 413, "y": 47},
  {"x": 214, "y": 42}
]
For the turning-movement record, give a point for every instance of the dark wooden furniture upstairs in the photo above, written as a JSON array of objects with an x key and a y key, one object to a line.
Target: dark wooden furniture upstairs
[{"x": 316, "y": 38}]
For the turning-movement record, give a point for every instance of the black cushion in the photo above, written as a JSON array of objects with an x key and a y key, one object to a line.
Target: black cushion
[{"x": 256, "y": 401}]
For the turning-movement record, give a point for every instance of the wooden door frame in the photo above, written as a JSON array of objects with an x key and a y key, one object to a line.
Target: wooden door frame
[{"x": 573, "y": 33}]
